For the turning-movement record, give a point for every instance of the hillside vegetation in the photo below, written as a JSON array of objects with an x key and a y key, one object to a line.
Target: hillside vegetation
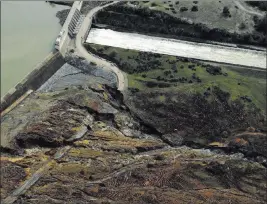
[
  {"x": 219, "y": 21},
  {"x": 205, "y": 103}
]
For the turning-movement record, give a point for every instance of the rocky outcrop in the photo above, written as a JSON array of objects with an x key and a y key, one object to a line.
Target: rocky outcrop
[
  {"x": 84, "y": 144},
  {"x": 164, "y": 176},
  {"x": 62, "y": 122},
  {"x": 250, "y": 143},
  {"x": 192, "y": 118},
  {"x": 103, "y": 164}
]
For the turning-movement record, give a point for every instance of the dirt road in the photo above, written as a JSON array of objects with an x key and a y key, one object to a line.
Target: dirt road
[{"x": 81, "y": 51}]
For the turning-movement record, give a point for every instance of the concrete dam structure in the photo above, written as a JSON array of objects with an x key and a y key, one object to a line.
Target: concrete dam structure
[
  {"x": 41, "y": 73},
  {"x": 75, "y": 23}
]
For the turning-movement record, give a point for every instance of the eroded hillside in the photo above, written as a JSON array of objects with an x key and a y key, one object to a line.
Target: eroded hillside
[{"x": 89, "y": 143}]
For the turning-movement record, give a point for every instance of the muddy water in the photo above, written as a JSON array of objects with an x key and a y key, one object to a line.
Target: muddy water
[{"x": 28, "y": 32}]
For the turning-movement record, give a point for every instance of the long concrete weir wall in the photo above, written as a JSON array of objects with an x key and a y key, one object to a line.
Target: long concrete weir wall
[{"x": 41, "y": 73}]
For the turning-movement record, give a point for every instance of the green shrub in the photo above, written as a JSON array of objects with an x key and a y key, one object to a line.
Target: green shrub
[
  {"x": 194, "y": 8},
  {"x": 153, "y": 4},
  {"x": 226, "y": 12},
  {"x": 182, "y": 9}
]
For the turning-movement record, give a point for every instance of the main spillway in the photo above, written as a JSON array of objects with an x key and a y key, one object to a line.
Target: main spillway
[{"x": 202, "y": 51}]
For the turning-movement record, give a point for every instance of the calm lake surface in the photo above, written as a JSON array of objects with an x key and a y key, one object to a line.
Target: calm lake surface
[{"x": 28, "y": 32}]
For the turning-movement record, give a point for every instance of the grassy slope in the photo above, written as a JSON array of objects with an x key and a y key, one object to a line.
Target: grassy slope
[
  {"x": 250, "y": 85},
  {"x": 208, "y": 14}
]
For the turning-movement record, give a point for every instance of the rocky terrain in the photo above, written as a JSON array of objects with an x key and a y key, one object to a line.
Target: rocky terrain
[
  {"x": 185, "y": 131},
  {"x": 85, "y": 142}
]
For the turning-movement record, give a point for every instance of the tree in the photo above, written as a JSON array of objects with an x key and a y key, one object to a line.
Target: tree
[
  {"x": 113, "y": 54},
  {"x": 101, "y": 50},
  {"x": 242, "y": 26},
  {"x": 182, "y": 9},
  {"x": 260, "y": 25},
  {"x": 262, "y": 5},
  {"x": 226, "y": 12},
  {"x": 153, "y": 4},
  {"x": 194, "y": 8},
  {"x": 144, "y": 75}
]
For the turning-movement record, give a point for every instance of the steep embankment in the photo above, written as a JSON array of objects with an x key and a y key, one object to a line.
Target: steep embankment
[
  {"x": 191, "y": 102},
  {"x": 87, "y": 142},
  {"x": 87, "y": 147}
]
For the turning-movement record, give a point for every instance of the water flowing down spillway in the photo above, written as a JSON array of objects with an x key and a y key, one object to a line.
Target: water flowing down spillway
[{"x": 202, "y": 51}]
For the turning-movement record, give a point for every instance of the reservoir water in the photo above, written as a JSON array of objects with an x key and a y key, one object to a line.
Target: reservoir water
[{"x": 28, "y": 32}]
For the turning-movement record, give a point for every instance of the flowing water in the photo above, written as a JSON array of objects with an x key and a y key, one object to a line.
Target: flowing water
[
  {"x": 181, "y": 48},
  {"x": 28, "y": 32}
]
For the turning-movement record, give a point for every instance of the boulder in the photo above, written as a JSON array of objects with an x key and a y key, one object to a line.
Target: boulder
[{"x": 174, "y": 139}]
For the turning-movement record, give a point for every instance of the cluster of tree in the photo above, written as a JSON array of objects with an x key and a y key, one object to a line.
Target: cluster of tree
[
  {"x": 133, "y": 90},
  {"x": 151, "y": 21},
  {"x": 174, "y": 68},
  {"x": 111, "y": 58},
  {"x": 223, "y": 96},
  {"x": 88, "y": 5},
  {"x": 183, "y": 8},
  {"x": 62, "y": 15},
  {"x": 152, "y": 84},
  {"x": 166, "y": 73},
  {"x": 153, "y": 4},
  {"x": 262, "y": 5},
  {"x": 214, "y": 70},
  {"x": 194, "y": 8},
  {"x": 196, "y": 78},
  {"x": 246, "y": 98},
  {"x": 145, "y": 61},
  {"x": 179, "y": 79},
  {"x": 192, "y": 67},
  {"x": 105, "y": 2},
  {"x": 147, "y": 65},
  {"x": 136, "y": 3},
  {"x": 261, "y": 24},
  {"x": 172, "y": 9},
  {"x": 226, "y": 12}
]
